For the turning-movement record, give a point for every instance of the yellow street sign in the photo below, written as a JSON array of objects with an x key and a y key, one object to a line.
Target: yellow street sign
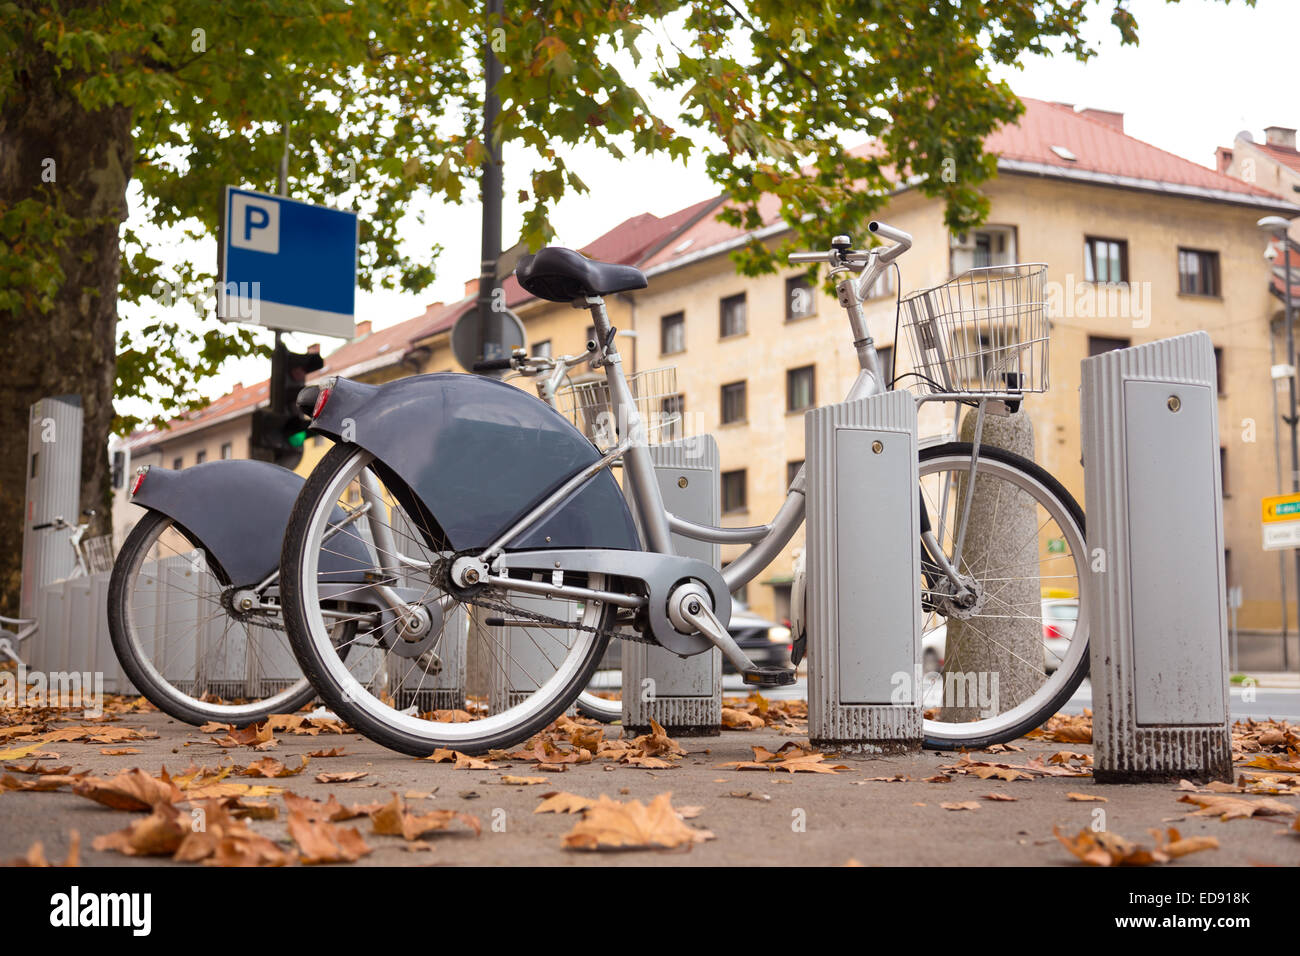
[
  {"x": 1280, "y": 515},
  {"x": 1281, "y": 507}
]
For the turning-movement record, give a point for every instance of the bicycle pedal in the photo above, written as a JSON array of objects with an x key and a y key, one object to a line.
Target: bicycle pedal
[{"x": 778, "y": 676}]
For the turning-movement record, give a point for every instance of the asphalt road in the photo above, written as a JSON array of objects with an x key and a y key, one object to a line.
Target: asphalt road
[{"x": 759, "y": 818}]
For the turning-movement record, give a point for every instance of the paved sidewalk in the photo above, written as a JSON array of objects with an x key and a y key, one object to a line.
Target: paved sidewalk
[{"x": 754, "y": 815}]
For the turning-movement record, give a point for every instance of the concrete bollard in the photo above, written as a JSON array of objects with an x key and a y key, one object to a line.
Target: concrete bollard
[
  {"x": 1155, "y": 596},
  {"x": 684, "y": 695},
  {"x": 864, "y": 572}
]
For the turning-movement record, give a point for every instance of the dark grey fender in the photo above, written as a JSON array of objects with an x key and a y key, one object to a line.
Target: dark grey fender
[
  {"x": 238, "y": 510},
  {"x": 478, "y": 454}
]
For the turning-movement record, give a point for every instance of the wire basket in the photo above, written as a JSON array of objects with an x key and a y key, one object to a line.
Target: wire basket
[
  {"x": 982, "y": 331},
  {"x": 98, "y": 552},
  {"x": 587, "y": 405}
]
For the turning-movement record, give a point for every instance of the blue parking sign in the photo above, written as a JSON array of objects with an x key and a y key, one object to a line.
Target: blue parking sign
[{"x": 287, "y": 264}]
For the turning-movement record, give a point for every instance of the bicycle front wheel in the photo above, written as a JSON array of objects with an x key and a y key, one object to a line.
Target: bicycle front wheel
[
  {"x": 1010, "y": 632},
  {"x": 440, "y": 668}
]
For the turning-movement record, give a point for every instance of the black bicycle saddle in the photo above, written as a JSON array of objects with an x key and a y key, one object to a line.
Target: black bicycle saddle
[{"x": 562, "y": 275}]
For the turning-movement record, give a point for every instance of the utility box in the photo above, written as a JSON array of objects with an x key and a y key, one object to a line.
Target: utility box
[
  {"x": 53, "y": 490},
  {"x": 1154, "y": 599},
  {"x": 864, "y": 575},
  {"x": 682, "y": 694}
]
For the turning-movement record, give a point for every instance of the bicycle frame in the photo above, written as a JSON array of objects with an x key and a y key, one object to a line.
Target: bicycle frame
[{"x": 765, "y": 541}]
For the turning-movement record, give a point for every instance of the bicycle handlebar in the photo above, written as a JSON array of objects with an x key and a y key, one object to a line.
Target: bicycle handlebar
[
  {"x": 42, "y": 526},
  {"x": 902, "y": 242},
  {"x": 493, "y": 365}
]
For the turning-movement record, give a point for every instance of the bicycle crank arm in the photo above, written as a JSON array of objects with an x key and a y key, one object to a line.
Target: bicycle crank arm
[{"x": 692, "y": 609}]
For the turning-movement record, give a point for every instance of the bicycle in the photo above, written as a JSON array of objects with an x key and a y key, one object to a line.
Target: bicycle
[
  {"x": 91, "y": 555},
  {"x": 500, "y": 506}
]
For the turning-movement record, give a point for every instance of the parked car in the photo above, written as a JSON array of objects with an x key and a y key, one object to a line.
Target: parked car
[{"x": 1060, "y": 615}]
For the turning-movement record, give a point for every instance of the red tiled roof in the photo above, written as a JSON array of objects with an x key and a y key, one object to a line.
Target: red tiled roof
[
  {"x": 392, "y": 341},
  {"x": 1099, "y": 147}
]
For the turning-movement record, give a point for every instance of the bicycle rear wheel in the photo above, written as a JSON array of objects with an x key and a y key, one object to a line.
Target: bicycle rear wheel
[
  {"x": 1014, "y": 647},
  {"x": 182, "y": 641}
]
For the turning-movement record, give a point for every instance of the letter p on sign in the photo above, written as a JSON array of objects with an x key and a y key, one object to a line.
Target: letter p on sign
[{"x": 255, "y": 224}]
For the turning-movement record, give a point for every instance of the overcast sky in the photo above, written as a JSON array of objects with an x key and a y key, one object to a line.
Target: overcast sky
[{"x": 1202, "y": 72}]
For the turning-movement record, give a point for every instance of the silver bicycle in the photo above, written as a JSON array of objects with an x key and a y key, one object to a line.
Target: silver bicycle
[
  {"x": 90, "y": 556},
  {"x": 528, "y": 559}
]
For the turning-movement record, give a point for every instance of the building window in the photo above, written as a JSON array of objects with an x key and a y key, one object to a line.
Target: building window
[
  {"x": 1218, "y": 369},
  {"x": 800, "y": 388},
  {"x": 672, "y": 333},
  {"x": 731, "y": 316},
  {"x": 733, "y": 403},
  {"x": 673, "y": 415},
  {"x": 800, "y": 299},
  {"x": 200, "y": 456},
  {"x": 886, "y": 356},
  {"x": 989, "y": 246},
  {"x": 1223, "y": 470},
  {"x": 227, "y": 451},
  {"x": 733, "y": 490},
  {"x": 1105, "y": 260},
  {"x": 542, "y": 349},
  {"x": 177, "y": 464},
  {"x": 791, "y": 470},
  {"x": 1100, "y": 344},
  {"x": 1198, "y": 272}
]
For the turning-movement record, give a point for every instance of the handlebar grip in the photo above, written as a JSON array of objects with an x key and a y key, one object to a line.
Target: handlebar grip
[
  {"x": 807, "y": 257},
  {"x": 43, "y": 526},
  {"x": 493, "y": 365},
  {"x": 902, "y": 240}
]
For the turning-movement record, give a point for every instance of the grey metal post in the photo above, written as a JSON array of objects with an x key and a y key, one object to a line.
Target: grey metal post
[
  {"x": 684, "y": 695},
  {"x": 1155, "y": 595},
  {"x": 53, "y": 483},
  {"x": 864, "y": 574}
]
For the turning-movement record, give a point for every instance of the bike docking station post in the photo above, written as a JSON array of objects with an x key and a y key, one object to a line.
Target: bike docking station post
[
  {"x": 1155, "y": 596},
  {"x": 682, "y": 694},
  {"x": 864, "y": 575}
]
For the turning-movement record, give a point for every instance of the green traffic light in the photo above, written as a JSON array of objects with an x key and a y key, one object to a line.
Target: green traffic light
[{"x": 296, "y": 439}]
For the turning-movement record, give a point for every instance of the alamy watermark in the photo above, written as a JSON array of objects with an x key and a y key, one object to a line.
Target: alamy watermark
[{"x": 24, "y": 688}]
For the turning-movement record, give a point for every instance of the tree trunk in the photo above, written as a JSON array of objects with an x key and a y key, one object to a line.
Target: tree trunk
[
  {"x": 58, "y": 162},
  {"x": 998, "y": 655}
]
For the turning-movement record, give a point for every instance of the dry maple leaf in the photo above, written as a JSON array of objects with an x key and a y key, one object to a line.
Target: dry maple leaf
[
  {"x": 647, "y": 763},
  {"x": 336, "y": 752},
  {"x": 466, "y": 762},
  {"x": 322, "y": 842},
  {"x": 270, "y": 767},
  {"x": 563, "y": 803},
  {"x": 393, "y": 819},
  {"x": 1275, "y": 762},
  {"x": 158, "y": 834},
  {"x": 1233, "y": 808},
  {"x": 963, "y": 805},
  {"x": 514, "y": 781},
  {"x": 129, "y": 790},
  {"x": 739, "y": 720},
  {"x": 1103, "y": 848},
  {"x": 346, "y": 776},
  {"x": 609, "y": 824},
  {"x": 1086, "y": 798},
  {"x": 1000, "y": 797}
]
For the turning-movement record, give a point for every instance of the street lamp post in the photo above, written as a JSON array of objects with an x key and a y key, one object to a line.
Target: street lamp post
[{"x": 1276, "y": 227}]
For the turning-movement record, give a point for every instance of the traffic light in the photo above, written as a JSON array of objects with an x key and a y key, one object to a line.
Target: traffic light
[{"x": 280, "y": 429}]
